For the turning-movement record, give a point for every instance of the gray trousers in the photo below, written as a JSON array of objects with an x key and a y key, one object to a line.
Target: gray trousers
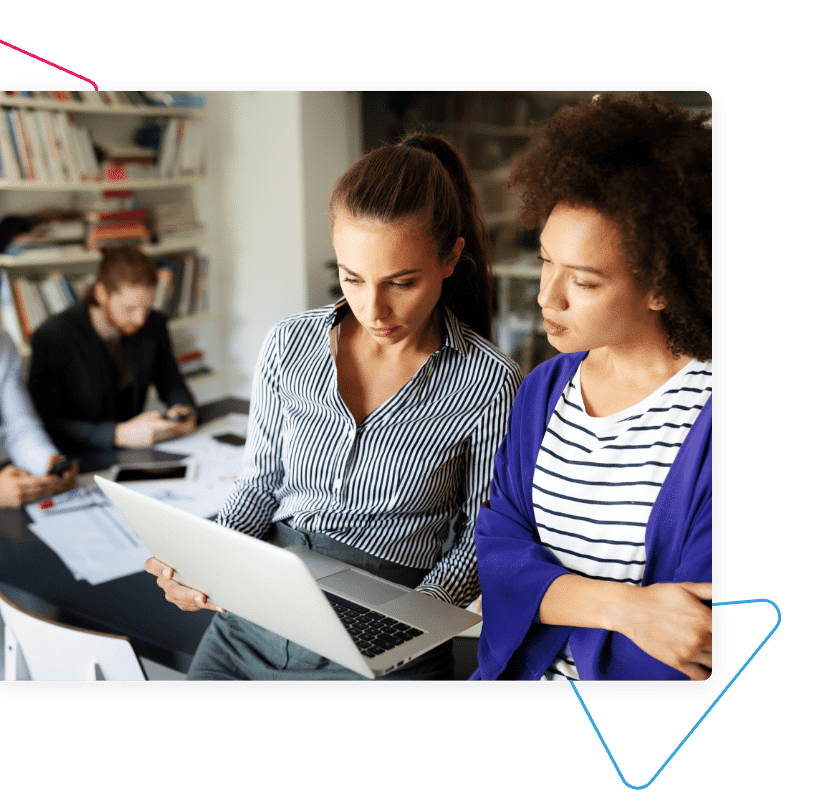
[{"x": 235, "y": 649}]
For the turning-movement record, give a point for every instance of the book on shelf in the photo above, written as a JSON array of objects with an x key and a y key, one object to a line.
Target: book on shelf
[
  {"x": 191, "y": 363},
  {"x": 181, "y": 285},
  {"x": 21, "y": 146},
  {"x": 80, "y": 284},
  {"x": 8, "y": 154},
  {"x": 108, "y": 216},
  {"x": 37, "y": 143},
  {"x": 9, "y": 316},
  {"x": 168, "y": 148},
  {"x": 191, "y": 154},
  {"x": 24, "y": 305},
  {"x": 117, "y": 233},
  {"x": 187, "y": 284},
  {"x": 202, "y": 285},
  {"x": 54, "y": 294},
  {"x": 59, "y": 123},
  {"x": 20, "y": 306},
  {"x": 169, "y": 300},
  {"x": 182, "y": 150},
  {"x": 86, "y": 150},
  {"x": 172, "y": 215},
  {"x": 53, "y": 154}
]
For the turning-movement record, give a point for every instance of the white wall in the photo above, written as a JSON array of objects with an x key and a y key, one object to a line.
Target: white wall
[
  {"x": 331, "y": 142},
  {"x": 273, "y": 158}
]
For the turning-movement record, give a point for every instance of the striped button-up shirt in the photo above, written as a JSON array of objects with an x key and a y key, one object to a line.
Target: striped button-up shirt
[
  {"x": 23, "y": 438},
  {"x": 406, "y": 483}
]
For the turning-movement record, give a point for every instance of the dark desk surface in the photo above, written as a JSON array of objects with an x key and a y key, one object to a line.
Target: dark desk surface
[{"x": 35, "y": 577}]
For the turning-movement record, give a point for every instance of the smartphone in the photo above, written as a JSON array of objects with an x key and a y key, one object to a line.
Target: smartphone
[
  {"x": 153, "y": 472},
  {"x": 229, "y": 437},
  {"x": 177, "y": 415},
  {"x": 61, "y": 466}
]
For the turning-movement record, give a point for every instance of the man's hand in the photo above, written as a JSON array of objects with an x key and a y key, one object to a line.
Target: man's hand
[
  {"x": 18, "y": 486},
  {"x": 184, "y": 418},
  {"x": 144, "y": 429},
  {"x": 67, "y": 479}
]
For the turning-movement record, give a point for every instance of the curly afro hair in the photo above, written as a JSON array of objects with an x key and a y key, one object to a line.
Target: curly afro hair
[{"x": 645, "y": 164}]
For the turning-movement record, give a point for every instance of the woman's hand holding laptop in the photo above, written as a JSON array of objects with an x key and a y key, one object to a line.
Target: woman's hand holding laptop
[{"x": 189, "y": 600}]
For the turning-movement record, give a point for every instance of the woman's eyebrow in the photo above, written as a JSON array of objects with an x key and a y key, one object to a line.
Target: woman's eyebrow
[
  {"x": 586, "y": 269},
  {"x": 397, "y": 274}
]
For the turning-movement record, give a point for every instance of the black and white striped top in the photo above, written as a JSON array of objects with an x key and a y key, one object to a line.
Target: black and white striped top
[
  {"x": 596, "y": 479},
  {"x": 397, "y": 484}
]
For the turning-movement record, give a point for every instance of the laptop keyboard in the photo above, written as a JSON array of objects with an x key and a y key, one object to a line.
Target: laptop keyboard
[{"x": 372, "y": 631}]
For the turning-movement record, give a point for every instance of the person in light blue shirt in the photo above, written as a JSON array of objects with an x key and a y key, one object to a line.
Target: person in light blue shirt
[{"x": 24, "y": 440}]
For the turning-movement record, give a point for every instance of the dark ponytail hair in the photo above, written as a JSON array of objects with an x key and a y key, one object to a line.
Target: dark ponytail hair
[{"x": 425, "y": 175}]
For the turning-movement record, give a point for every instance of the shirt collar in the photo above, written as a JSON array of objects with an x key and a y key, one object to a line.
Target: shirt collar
[{"x": 453, "y": 334}]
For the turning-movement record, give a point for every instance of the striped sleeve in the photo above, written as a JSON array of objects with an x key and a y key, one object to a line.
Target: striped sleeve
[
  {"x": 455, "y": 577},
  {"x": 253, "y": 501}
]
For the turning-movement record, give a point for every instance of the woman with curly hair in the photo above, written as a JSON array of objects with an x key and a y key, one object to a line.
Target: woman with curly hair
[{"x": 595, "y": 550}]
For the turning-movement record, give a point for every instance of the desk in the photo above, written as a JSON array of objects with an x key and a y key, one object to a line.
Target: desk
[
  {"x": 35, "y": 578},
  {"x": 134, "y": 606}
]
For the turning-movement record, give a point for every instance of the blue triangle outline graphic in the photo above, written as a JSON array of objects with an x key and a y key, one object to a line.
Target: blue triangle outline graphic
[{"x": 709, "y": 709}]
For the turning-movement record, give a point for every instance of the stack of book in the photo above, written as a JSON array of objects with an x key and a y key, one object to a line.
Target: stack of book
[
  {"x": 106, "y": 223},
  {"x": 49, "y": 239},
  {"x": 117, "y": 228},
  {"x": 192, "y": 363},
  {"x": 175, "y": 220}
]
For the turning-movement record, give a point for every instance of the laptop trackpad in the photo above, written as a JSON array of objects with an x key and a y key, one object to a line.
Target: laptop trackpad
[{"x": 362, "y": 587}]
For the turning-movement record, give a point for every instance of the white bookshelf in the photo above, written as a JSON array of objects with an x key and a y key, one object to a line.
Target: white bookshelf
[{"x": 112, "y": 122}]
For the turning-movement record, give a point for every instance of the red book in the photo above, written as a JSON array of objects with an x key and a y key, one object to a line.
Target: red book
[
  {"x": 120, "y": 229},
  {"x": 19, "y": 303},
  {"x": 189, "y": 355},
  {"x": 116, "y": 215}
]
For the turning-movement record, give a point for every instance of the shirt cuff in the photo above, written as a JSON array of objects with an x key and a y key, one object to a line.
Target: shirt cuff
[{"x": 435, "y": 591}]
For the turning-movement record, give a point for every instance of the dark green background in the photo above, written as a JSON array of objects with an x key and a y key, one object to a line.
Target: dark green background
[{"x": 758, "y": 739}]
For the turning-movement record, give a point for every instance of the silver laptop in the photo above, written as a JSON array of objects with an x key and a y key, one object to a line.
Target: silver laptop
[{"x": 304, "y": 596}]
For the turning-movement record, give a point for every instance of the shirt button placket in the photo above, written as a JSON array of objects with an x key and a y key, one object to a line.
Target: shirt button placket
[{"x": 346, "y": 459}]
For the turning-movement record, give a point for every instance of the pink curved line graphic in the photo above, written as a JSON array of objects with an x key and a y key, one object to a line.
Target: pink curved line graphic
[{"x": 56, "y": 66}]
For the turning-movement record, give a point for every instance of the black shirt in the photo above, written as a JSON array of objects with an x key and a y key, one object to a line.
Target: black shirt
[{"x": 75, "y": 383}]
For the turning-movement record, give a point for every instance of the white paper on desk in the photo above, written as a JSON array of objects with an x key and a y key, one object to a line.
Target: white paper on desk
[
  {"x": 218, "y": 465},
  {"x": 89, "y": 535},
  {"x": 203, "y": 497},
  {"x": 202, "y": 441}
]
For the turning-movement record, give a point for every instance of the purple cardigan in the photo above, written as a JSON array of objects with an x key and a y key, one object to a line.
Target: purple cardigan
[{"x": 515, "y": 570}]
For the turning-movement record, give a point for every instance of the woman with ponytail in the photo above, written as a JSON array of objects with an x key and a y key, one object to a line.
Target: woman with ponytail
[{"x": 374, "y": 421}]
